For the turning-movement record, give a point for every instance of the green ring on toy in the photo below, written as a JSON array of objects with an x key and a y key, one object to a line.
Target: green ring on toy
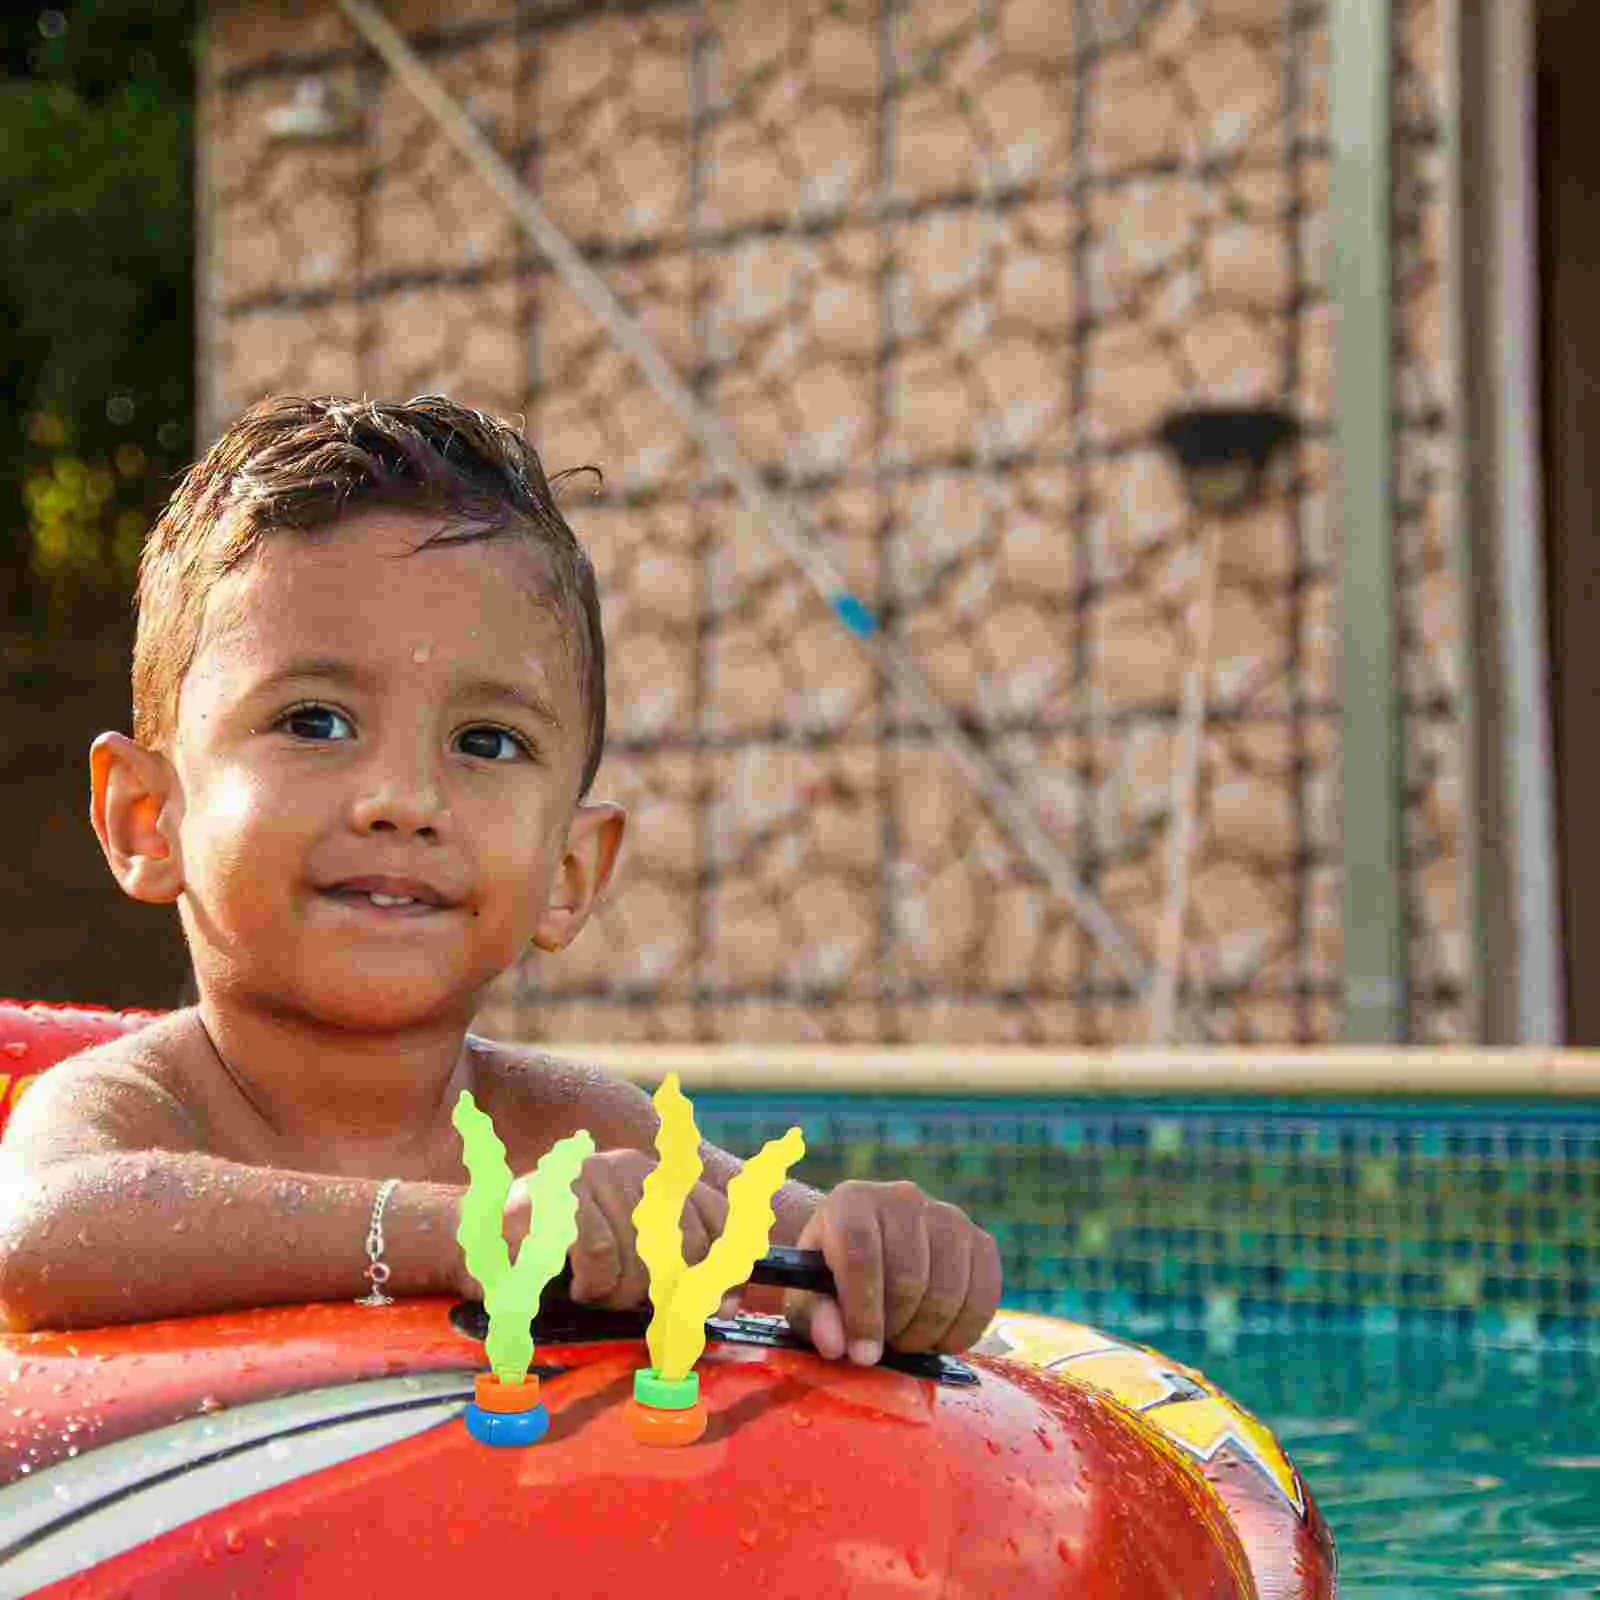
[{"x": 665, "y": 1394}]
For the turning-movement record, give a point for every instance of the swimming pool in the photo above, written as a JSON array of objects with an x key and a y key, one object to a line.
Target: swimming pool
[
  {"x": 1403, "y": 1292},
  {"x": 1443, "y": 1467}
]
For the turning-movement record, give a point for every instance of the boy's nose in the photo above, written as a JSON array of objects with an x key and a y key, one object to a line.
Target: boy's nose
[{"x": 403, "y": 793}]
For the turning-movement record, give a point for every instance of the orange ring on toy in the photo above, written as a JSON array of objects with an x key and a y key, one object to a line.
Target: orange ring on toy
[
  {"x": 651, "y": 1426},
  {"x": 505, "y": 1399}
]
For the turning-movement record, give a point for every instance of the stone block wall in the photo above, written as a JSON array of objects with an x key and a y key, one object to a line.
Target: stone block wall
[{"x": 944, "y": 268}]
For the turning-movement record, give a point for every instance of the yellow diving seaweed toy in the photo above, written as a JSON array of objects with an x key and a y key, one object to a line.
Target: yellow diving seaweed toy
[
  {"x": 507, "y": 1409},
  {"x": 666, "y": 1406}
]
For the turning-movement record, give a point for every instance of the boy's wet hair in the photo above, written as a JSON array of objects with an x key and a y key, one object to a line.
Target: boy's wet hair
[{"x": 297, "y": 465}]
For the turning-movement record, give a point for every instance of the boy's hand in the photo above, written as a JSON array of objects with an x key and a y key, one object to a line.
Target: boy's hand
[
  {"x": 911, "y": 1271},
  {"x": 606, "y": 1269}
]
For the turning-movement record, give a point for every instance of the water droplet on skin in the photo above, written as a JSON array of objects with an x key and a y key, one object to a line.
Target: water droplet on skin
[
  {"x": 180, "y": 1227},
  {"x": 421, "y": 653}
]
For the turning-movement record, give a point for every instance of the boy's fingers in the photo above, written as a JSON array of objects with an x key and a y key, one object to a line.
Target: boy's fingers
[
  {"x": 907, "y": 1268},
  {"x": 853, "y": 1247},
  {"x": 616, "y": 1202},
  {"x": 947, "y": 1282},
  {"x": 703, "y": 1220},
  {"x": 696, "y": 1241},
  {"x": 983, "y": 1295},
  {"x": 712, "y": 1204},
  {"x": 816, "y": 1317},
  {"x": 596, "y": 1260}
]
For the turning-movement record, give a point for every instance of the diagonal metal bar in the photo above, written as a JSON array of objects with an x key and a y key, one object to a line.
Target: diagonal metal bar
[{"x": 771, "y": 512}]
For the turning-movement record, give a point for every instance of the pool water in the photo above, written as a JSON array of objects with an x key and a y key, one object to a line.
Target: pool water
[{"x": 1443, "y": 1467}]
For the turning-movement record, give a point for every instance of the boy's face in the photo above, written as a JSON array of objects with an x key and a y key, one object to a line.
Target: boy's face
[{"x": 356, "y": 710}]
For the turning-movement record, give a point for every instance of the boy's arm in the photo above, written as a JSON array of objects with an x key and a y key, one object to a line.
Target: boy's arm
[
  {"x": 621, "y": 1117},
  {"x": 110, "y": 1213}
]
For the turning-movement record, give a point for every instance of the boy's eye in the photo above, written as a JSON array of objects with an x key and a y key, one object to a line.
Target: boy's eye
[
  {"x": 310, "y": 715},
  {"x": 494, "y": 744},
  {"x": 509, "y": 751}
]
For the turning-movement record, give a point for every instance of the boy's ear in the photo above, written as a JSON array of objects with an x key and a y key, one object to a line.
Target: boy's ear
[
  {"x": 594, "y": 836},
  {"x": 134, "y": 804}
]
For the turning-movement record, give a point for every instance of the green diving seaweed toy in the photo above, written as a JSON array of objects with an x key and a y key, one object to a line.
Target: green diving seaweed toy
[
  {"x": 666, "y": 1408},
  {"x": 506, "y": 1409}
]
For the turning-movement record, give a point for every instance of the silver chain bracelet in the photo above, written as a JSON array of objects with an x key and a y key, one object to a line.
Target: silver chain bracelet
[{"x": 377, "y": 1272}]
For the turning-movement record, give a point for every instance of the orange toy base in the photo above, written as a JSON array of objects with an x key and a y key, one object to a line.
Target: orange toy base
[
  {"x": 505, "y": 1399},
  {"x": 651, "y": 1426}
]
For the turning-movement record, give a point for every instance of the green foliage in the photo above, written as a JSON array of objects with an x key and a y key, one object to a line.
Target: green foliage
[{"x": 96, "y": 207}]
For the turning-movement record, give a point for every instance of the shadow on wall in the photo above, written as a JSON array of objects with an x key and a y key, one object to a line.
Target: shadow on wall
[{"x": 72, "y": 933}]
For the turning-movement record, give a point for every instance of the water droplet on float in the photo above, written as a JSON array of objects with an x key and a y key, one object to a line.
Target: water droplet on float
[
  {"x": 992, "y": 1446},
  {"x": 749, "y": 1538},
  {"x": 234, "y": 1540},
  {"x": 918, "y": 1563},
  {"x": 1064, "y": 1551}
]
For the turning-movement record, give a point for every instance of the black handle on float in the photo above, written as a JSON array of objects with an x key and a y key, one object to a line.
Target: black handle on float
[{"x": 782, "y": 1267}]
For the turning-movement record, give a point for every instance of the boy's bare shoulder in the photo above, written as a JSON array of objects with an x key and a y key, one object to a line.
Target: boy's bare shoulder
[{"x": 125, "y": 1094}]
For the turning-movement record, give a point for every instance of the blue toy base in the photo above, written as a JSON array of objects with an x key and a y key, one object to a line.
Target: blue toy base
[{"x": 502, "y": 1428}]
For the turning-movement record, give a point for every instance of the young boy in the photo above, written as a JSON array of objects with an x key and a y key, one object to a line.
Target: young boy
[{"x": 369, "y": 703}]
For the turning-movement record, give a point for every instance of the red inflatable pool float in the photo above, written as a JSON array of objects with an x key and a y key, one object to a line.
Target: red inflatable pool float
[{"x": 298, "y": 1451}]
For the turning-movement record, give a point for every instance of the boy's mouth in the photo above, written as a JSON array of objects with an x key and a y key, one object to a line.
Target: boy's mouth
[
  {"x": 388, "y": 894},
  {"x": 362, "y": 899}
]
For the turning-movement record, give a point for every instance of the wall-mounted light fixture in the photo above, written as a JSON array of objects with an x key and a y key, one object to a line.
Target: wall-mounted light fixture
[
  {"x": 1224, "y": 453},
  {"x": 321, "y": 109}
]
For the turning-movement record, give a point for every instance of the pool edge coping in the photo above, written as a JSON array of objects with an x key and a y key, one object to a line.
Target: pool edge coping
[{"x": 1343, "y": 1072}]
